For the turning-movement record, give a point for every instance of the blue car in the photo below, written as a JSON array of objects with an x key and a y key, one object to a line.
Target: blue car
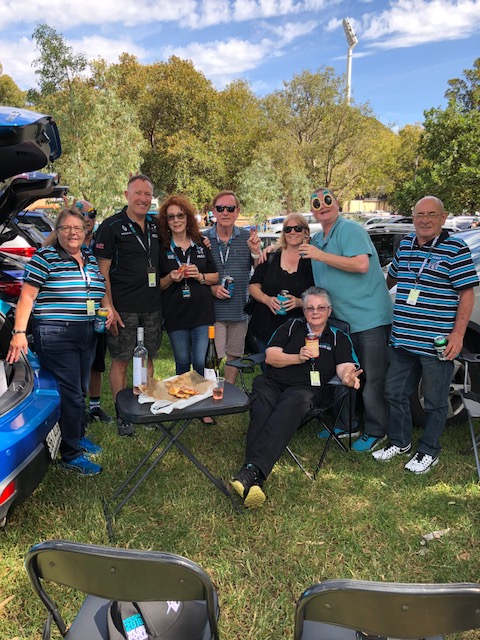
[{"x": 29, "y": 398}]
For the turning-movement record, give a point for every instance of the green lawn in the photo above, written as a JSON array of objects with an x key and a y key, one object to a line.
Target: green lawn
[{"x": 359, "y": 519}]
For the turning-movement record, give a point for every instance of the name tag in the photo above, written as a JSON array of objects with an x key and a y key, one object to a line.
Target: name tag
[
  {"x": 90, "y": 307},
  {"x": 413, "y": 297},
  {"x": 152, "y": 280},
  {"x": 315, "y": 378}
]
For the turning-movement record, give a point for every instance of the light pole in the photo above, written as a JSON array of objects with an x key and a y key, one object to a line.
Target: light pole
[{"x": 352, "y": 41}]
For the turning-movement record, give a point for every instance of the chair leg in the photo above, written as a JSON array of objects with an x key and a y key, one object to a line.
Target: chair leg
[
  {"x": 474, "y": 445},
  {"x": 296, "y": 459}
]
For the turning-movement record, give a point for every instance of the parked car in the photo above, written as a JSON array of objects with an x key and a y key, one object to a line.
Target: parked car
[
  {"x": 37, "y": 219},
  {"x": 11, "y": 277},
  {"x": 29, "y": 399}
]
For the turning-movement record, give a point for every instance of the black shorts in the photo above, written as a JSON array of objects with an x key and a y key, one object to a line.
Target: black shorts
[{"x": 121, "y": 347}]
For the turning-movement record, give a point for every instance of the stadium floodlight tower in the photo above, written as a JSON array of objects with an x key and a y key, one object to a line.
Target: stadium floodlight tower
[{"x": 352, "y": 41}]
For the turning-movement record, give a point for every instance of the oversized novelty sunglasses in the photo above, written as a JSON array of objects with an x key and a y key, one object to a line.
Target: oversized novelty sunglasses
[
  {"x": 296, "y": 227},
  {"x": 179, "y": 216},
  {"x": 316, "y": 202},
  {"x": 91, "y": 213},
  {"x": 220, "y": 208}
]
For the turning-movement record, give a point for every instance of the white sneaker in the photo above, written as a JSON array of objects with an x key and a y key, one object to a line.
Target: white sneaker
[
  {"x": 421, "y": 463},
  {"x": 390, "y": 451}
]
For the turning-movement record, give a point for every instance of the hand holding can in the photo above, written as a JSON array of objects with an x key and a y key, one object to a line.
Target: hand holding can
[{"x": 312, "y": 344}]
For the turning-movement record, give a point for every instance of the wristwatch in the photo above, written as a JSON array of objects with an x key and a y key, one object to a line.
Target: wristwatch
[
  {"x": 202, "y": 281},
  {"x": 15, "y": 331}
]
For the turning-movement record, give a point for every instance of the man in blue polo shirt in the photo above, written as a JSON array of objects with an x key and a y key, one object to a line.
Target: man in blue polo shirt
[
  {"x": 435, "y": 276},
  {"x": 345, "y": 262},
  {"x": 234, "y": 250}
]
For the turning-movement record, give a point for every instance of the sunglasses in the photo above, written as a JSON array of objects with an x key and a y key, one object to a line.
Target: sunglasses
[
  {"x": 316, "y": 202},
  {"x": 220, "y": 208},
  {"x": 296, "y": 227},
  {"x": 179, "y": 216},
  {"x": 91, "y": 213}
]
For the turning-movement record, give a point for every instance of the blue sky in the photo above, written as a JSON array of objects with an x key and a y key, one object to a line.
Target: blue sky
[{"x": 407, "y": 50}]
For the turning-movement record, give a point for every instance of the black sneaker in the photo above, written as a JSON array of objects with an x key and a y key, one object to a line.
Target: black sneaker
[
  {"x": 125, "y": 428},
  {"x": 97, "y": 413},
  {"x": 247, "y": 484}
]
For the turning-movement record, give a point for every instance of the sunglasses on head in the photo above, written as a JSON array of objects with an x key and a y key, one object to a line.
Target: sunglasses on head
[
  {"x": 316, "y": 201},
  {"x": 296, "y": 227},
  {"x": 91, "y": 213},
  {"x": 221, "y": 208},
  {"x": 179, "y": 216}
]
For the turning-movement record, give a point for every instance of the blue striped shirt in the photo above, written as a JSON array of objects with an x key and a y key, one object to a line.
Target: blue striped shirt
[
  {"x": 447, "y": 269},
  {"x": 63, "y": 290}
]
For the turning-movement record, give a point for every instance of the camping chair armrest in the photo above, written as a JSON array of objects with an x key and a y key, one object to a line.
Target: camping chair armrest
[
  {"x": 247, "y": 363},
  {"x": 469, "y": 357}
]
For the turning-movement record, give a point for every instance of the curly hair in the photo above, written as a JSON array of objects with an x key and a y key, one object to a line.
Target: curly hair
[{"x": 187, "y": 207}]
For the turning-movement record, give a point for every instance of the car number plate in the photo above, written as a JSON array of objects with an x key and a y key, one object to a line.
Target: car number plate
[{"x": 53, "y": 440}]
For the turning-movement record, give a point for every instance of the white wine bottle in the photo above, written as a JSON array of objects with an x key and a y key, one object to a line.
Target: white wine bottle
[
  {"x": 211, "y": 370},
  {"x": 140, "y": 362}
]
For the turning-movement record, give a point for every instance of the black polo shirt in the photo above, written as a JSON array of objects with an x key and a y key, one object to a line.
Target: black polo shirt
[
  {"x": 335, "y": 348},
  {"x": 118, "y": 239}
]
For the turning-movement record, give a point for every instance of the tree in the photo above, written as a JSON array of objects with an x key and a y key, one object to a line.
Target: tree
[
  {"x": 101, "y": 140},
  {"x": 10, "y": 94},
  {"x": 260, "y": 189},
  {"x": 466, "y": 92}
]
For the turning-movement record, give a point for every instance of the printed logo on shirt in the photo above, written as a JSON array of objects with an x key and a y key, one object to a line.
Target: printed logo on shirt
[
  {"x": 100, "y": 245},
  {"x": 434, "y": 265},
  {"x": 324, "y": 345}
]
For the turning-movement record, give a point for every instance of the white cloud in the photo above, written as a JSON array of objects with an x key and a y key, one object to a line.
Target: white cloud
[
  {"x": 16, "y": 59},
  {"x": 409, "y": 23}
]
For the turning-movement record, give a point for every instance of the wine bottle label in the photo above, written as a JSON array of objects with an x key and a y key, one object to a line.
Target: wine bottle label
[
  {"x": 209, "y": 374},
  {"x": 139, "y": 372}
]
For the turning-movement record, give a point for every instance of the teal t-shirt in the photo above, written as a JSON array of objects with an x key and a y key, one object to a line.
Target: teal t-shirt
[{"x": 361, "y": 299}]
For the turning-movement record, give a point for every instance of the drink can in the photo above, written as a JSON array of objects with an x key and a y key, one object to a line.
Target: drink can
[
  {"x": 282, "y": 297},
  {"x": 311, "y": 342},
  {"x": 440, "y": 344},
  {"x": 100, "y": 321},
  {"x": 228, "y": 284}
]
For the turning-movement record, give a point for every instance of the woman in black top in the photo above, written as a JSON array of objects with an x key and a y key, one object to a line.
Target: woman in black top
[
  {"x": 284, "y": 269},
  {"x": 187, "y": 269}
]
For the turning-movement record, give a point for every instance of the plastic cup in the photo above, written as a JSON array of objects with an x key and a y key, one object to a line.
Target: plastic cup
[{"x": 218, "y": 387}]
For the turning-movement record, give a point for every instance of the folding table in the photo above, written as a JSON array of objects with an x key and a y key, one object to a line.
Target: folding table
[{"x": 172, "y": 426}]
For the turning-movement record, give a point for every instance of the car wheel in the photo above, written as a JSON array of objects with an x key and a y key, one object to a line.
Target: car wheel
[{"x": 456, "y": 409}]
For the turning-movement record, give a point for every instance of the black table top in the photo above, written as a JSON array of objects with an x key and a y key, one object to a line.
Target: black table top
[{"x": 234, "y": 401}]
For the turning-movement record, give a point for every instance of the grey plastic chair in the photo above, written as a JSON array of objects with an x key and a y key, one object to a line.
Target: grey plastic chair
[
  {"x": 356, "y": 609},
  {"x": 107, "y": 573},
  {"x": 471, "y": 401}
]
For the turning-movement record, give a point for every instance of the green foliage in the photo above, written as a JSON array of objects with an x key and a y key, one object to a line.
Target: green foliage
[
  {"x": 260, "y": 189},
  {"x": 10, "y": 94}
]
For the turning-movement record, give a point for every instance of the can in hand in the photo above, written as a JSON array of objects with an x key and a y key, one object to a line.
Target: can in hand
[
  {"x": 311, "y": 342},
  {"x": 100, "y": 321},
  {"x": 229, "y": 285},
  {"x": 282, "y": 297},
  {"x": 440, "y": 344}
]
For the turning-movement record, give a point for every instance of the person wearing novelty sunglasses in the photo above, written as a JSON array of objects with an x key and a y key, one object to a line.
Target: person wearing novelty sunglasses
[
  {"x": 234, "y": 250},
  {"x": 345, "y": 262}
]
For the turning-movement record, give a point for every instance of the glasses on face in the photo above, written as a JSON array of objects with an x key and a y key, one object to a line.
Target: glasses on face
[
  {"x": 67, "y": 229},
  {"x": 221, "y": 208},
  {"x": 296, "y": 227},
  {"x": 428, "y": 215},
  {"x": 317, "y": 201},
  {"x": 178, "y": 216},
  {"x": 320, "y": 309},
  {"x": 91, "y": 213}
]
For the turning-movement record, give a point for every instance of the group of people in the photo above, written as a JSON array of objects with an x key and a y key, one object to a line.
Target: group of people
[{"x": 148, "y": 272}]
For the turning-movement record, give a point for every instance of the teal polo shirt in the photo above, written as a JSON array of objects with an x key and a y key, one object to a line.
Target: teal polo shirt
[{"x": 361, "y": 299}]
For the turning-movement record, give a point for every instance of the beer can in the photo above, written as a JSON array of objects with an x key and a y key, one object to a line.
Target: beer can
[
  {"x": 100, "y": 321},
  {"x": 228, "y": 284},
  {"x": 440, "y": 344}
]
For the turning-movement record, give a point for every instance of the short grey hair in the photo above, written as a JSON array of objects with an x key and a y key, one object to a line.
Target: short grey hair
[
  {"x": 316, "y": 291},
  {"x": 435, "y": 199}
]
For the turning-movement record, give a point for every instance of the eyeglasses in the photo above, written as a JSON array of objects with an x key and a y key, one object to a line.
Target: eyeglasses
[
  {"x": 91, "y": 213},
  {"x": 316, "y": 203},
  {"x": 296, "y": 227},
  {"x": 320, "y": 308},
  {"x": 429, "y": 215},
  {"x": 179, "y": 216},
  {"x": 230, "y": 208},
  {"x": 77, "y": 230}
]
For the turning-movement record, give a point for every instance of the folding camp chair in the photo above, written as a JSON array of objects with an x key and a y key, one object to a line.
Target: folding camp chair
[
  {"x": 471, "y": 401},
  {"x": 124, "y": 575},
  {"x": 356, "y": 609},
  {"x": 342, "y": 404}
]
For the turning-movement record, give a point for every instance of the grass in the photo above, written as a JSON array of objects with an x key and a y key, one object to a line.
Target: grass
[{"x": 360, "y": 519}]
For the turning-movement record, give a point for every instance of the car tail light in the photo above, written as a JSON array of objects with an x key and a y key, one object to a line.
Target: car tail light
[
  {"x": 11, "y": 289},
  {"x": 8, "y": 492},
  {"x": 26, "y": 252}
]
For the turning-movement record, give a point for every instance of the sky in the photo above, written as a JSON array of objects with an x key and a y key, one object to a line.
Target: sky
[{"x": 407, "y": 49}]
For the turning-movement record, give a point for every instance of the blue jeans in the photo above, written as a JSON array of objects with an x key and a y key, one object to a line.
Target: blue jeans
[
  {"x": 189, "y": 348},
  {"x": 371, "y": 347},
  {"x": 406, "y": 369},
  {"x": 67, "y": 349}
]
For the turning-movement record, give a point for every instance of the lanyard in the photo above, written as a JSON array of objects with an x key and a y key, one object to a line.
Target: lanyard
[
  {"x": 134, "y": 231},
  {"x": 187, "y": 252},
  {"x": 227, "y": 252},
  {"x": 424, "y": 263},
  {"x": 86, "y": 278}
]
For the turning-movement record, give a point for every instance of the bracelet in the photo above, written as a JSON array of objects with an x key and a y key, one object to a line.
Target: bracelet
[
  {"x": 255, "y": 256},
  {"x": 15, "y": 331},
  {"x": 202, "y": 281}
]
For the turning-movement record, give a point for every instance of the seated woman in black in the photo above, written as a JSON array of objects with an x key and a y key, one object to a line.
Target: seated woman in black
[{"x": 295, "y": 382}]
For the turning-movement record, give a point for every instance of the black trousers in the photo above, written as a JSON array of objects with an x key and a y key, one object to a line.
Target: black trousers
[{"x": 276, "y": 412}]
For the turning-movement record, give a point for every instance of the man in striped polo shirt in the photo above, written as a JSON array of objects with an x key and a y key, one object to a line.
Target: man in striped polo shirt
[
  {"x": 234, "y": 250},
  {"x": 435, "y": 276}
]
